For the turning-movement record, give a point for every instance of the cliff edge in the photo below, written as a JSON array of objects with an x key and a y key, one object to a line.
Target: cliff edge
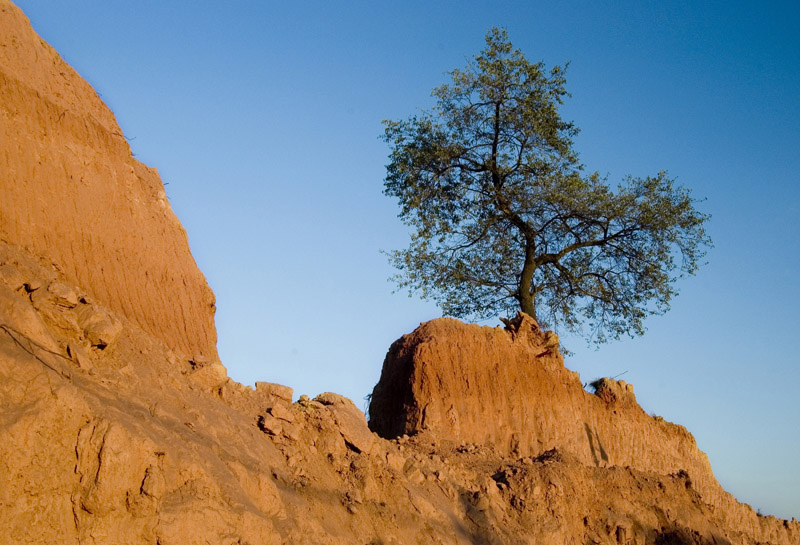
[
  {"x": 72, "y": 191},
  {"x": 508, "y": 388}
]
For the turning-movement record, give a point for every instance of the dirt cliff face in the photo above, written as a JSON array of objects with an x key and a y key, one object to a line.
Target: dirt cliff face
[
  {"x": 71, "y": 190},
  {"x": 109, "y": 434},
  {"x": 106, "y": 436},
  {"x": 508, "y": 388}
]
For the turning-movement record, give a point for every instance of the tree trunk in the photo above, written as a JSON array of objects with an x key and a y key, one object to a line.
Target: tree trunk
[
  {"x": 527, "y": 305},
  {"x": 525, "y": 293}
]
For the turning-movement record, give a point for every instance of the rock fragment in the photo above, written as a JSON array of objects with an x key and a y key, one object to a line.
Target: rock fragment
[
  {"x": 281, "y": 412},
  {"x": 351, "y": 422},
  {"x": 275, "y": 391},
  {"x": 99, "y": 326},
  {"x": 62, "y": 295},
  {"x": 269, "y": 424}
]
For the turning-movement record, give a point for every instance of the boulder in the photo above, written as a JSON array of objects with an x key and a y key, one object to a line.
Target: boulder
[
  {"x": 100, "y": 327},
  {"x": 351, "y": 422},
  {"x": 276, "y": 392}
]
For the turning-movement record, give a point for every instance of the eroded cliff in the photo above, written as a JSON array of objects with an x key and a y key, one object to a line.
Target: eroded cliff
[
  {"x": 72, "y": 191},
  {"x": 106, "y": 436},
  {"x": 508, "y": 387}
]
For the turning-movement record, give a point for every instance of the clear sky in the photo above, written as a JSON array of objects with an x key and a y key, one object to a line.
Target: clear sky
[{"x": 263, "y": 119}]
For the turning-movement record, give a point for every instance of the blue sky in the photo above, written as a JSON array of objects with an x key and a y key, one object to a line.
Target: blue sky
[{"x": 263, "y": 119}]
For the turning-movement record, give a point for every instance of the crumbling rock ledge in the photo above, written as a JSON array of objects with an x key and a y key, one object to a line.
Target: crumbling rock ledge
[{"x": 128, "y": 444}]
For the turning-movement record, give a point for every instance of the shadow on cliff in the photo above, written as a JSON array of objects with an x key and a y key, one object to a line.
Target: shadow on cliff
[
  {"x": 482, "y": 534},
  {"x": 592, "y": 436},
  {"x": 683, "y": 536}
]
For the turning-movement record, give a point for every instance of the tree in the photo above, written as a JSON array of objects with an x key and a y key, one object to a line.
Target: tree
[{"x": 505, "y": 219}]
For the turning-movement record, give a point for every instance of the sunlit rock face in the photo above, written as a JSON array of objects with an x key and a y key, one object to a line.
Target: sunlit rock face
[
  {"x": 107, "y": 437},
  {"x": 72, "y": 191},
  {"x": 508, "y": 388}
]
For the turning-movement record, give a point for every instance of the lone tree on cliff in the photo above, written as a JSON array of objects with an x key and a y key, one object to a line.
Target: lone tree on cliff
[{"x": 505, "y": 218}]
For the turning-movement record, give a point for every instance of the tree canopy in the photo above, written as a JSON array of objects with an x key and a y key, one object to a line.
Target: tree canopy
[{"x": 504, "y": 218}]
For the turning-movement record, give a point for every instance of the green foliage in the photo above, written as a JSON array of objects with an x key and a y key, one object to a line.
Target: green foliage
[{"x": 505, "y": 219}]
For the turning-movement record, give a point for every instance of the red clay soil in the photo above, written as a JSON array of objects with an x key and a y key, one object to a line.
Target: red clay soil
[
  {"x": 107, "y": 437},
  {"x": 72, "y": 191}
]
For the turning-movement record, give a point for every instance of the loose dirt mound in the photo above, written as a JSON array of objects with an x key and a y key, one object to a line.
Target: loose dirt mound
[{"x": 71, "y": 190}]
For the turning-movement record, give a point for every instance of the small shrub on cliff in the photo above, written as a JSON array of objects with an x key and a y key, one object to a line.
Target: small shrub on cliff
[{"x": 505, "y": 219}]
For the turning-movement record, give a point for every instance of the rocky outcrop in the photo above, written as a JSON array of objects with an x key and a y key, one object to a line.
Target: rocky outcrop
[
  {"x": 124, "y": 443},
  {"x": 508, "y": 388},
  {"x": 72, "y": 191}
]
